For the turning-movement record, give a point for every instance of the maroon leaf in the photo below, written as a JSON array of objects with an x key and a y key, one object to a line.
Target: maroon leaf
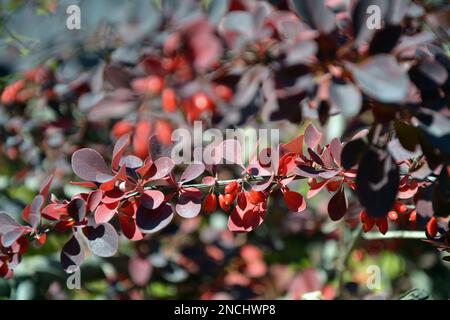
[
  {"x": 72, "y": 255},
  {"x": 150, "y": 221},
  {"x": 129, "y": 228},
  {"x": 152, "y": 199},
  {"x": 337, "y": 207},
  {"x": 119, "y": 149},
  {"x": 89, "y": 165},
  {"x": 377, "y": 182},
  {"x": 77, "y": 209},
  {"x": 294, "y": 201},
  {"x": 312, "y": 136}
]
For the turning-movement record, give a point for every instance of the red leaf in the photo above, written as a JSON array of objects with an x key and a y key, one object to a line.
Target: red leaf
[
  {"x": 141, "y": 139},
  {"x": 94, "y": 199},
  {"x": 54, "y": 211},
  {"x": 294, "y": 201},
  {"x": 105, "y": 212},
  {"x": 129, "y": 228}
]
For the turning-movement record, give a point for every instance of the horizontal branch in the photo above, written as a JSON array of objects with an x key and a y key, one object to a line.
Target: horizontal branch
[{"x": 396, "y": 234}]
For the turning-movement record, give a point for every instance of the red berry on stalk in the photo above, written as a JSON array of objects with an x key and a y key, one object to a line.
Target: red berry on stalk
[
  {"x": 229, "y": 198},
  {"x": 210, "y": 203},
  {"x": 231, "y": 187},
  {"x": 222, "y": 203}
]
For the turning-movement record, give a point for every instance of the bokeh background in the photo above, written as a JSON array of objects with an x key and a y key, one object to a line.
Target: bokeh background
[{"x": 291, "y": 256}]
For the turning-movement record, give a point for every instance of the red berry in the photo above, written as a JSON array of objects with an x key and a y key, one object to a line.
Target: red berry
[
  {"x": 413, "y": 216},
  {"x": 400, "y": 207},
  {"x": 224, "y": 92},
  {"x": 169, "y": 100},
  {"x": 202, "y": 102},
  {"x": 163, "y": 131},
  {"x": 210, "y": 203},
  {"x": 231, "y": 187},
  {"x": 229, "y": 198},
  {"x": 393, "y": 215},
  {"x": 432, "y": 227},
  {"x": 222, "y": 203}
]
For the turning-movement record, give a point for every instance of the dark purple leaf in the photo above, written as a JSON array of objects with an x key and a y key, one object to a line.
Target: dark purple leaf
[
  {"x": 162, "y": 167},
  {"x": 385, "y": 39},
  {"x": 77, "y": 209},
  {"x": 102, "y": 239},
  {"x": 377, "y": 182},
  {"x": 315, "y": 13},
  {"x": 189, "y": 203},
  {"x": 152, "y": 199},
  {"x": 72, "y": 255},
  {"x": 151, "y": 221},
  {"x": 89, "y": 165},
  {"x": 346, "y": 97},
  {"x": 407, "y": 135},
  {"x": 192, "y": 171},
  {"x": 352, "y": 153},
  {"x": 119, "y": 149},
  {"x": 10, "y": 237},
  {"x": 338, "y": 205},
  {"x": 34, "y": 216},
  {"x": 382, "y": 78}
]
